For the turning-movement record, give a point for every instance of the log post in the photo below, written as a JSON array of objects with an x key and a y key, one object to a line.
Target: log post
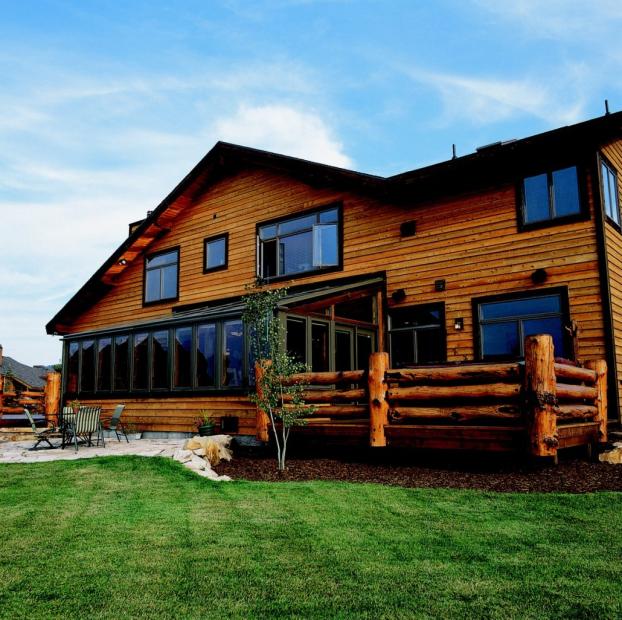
[
  {"x": 378, "y": 404},
  {"x": 262, "y": 420},
  {"x": 600, "y": 367},
  {"x": 52, "y": 395},
  {"x": 540, "y": 394}
]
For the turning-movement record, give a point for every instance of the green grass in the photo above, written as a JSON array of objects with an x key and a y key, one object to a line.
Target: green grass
[{"x": 137, "y": 537}]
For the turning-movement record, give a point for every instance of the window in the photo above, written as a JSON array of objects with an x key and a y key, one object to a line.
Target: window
[
  {"x": 233, "y": 354},
  {"x": 298, "y": 245},
  {"x": 182, "y": 377},
  {"x": 161, "y": 276},
  {"x": 215, "y": 253},
  {"x": 609, "y": 189},
  {"x": 550, "y": 196},
  {"x": 159, "y": 360},
  {"x": 87, "y": 367},
  {"x": 504, "y": 324},
  {"x": 206, "y": 355},
  {"x": 73, "y": 366},
  {"x": 140, "y": 375},
  {"x": 104, "y": 364},
  {"x": 417, "y": 335},
  {"x": 121, "y": 363}
]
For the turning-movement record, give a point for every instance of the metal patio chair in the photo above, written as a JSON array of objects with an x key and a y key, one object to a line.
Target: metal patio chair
[
  {"x": 42, "y": 434},
  {"x": 115, "y": 423}
]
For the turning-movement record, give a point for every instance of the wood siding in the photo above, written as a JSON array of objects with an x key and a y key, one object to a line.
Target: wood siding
[
  {"x": 472, "y": 242},
  {"x": 613, "y": 237}
]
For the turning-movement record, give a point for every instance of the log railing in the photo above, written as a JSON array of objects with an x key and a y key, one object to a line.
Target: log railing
[
  {"x": 46, "y": 402},
  {"x": 538, "y": 405}
]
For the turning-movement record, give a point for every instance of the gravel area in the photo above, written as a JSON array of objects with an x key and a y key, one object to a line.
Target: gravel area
[{"x": 484, "y": 472}]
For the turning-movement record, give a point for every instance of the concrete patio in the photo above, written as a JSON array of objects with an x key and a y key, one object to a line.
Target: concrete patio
[{"x": 18, "y": 451}]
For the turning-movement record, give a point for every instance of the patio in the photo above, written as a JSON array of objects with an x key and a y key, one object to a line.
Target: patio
[{"x": 19, "y": 452}]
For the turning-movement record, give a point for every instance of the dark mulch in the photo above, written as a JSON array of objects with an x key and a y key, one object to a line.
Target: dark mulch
[{"x": 486, "y": 472}]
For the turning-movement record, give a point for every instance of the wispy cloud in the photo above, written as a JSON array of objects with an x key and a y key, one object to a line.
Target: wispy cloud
[{"x": 485, "y": 100}]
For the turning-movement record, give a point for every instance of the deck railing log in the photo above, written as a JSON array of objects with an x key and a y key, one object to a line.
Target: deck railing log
[{"x": 541, "y": 404}]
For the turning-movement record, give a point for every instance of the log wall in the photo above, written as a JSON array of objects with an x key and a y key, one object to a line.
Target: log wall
[{"x": 472, "y": 242}]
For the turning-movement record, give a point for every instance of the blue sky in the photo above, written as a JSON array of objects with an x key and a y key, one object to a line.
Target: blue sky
[{"x": 105, "y": 106}]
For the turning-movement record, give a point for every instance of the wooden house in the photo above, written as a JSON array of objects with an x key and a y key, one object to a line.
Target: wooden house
[{"x": 454, "y": 262}]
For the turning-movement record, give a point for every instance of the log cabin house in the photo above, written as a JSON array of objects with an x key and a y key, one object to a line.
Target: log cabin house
[{"x": 455, "y": 262}]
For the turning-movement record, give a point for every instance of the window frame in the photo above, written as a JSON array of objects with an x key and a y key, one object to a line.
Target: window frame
[
  {"x": 151, "y": 256},
  {"x": 294, "y": 216},
  {"x": 582, "y": 215},
  {"x": 476, "y": 302},
  {"x": 604, "y": 161},
  {"x": 443, "y": 330},
  {"x": 209, "y": 240}
]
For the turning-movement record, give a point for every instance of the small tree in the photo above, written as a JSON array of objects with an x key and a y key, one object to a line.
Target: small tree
[{"x": 282, "y": 401}]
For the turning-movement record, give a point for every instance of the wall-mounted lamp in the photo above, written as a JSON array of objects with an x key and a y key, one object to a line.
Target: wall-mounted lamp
[
  {"x": 123, "y": 262},
  {"x": 459, "y": 324},
  {"x": 408, "y": 229},
  {"x": 539, "y": 276},
  {"x": 398, "y": 295},
  {"x": 439, "y": 285}
]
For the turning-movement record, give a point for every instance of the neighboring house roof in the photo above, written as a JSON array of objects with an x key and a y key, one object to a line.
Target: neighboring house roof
[
  {"x": 31, "y": 377},
  {"x": 488, "y": 165}
]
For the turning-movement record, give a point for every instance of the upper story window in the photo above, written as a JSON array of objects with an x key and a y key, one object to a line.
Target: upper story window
[
  {"x": 162, "y": 276},
  {"x": 215, "y": 253},
  {"x": 551, "y": 196},
  {"x": 298, "y": 245},
  {"x": 504, "y": 323},
  {"x": 609, "y": 189},
  {"x": 417, "y": 335}
]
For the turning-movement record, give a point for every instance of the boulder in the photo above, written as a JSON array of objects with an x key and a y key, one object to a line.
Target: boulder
[{"x": 613, "y": 456}]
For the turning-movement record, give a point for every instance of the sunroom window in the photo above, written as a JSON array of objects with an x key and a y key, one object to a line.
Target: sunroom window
[{"x": 300, "y": 244}]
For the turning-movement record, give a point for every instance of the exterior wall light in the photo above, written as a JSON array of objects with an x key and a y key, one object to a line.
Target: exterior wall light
[{"x": 459, "y": 324}]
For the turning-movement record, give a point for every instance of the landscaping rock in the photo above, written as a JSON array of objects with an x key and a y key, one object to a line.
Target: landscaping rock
[{"x": 613, "y": 457}]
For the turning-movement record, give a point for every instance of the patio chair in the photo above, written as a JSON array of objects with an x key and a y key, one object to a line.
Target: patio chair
[
  {"x": 85, "y": 423},
  {"x": 115, "y": 423},
  {"x": 42, "y": 434}
]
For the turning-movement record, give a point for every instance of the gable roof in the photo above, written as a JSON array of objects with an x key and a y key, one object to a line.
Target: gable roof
[
  {"x": 31, "y": 377},
  {"x": 488, "y": 165}
]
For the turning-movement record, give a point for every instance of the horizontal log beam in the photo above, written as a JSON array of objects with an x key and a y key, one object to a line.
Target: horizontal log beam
[
  {"x": 576, "y": 412},
  {"x": 564, "y": 371},
  {"x": 342, "y": 410},
  {"x": 329, "y": 396},
  {"x": 566, "y": 391},
  {"x": 435, "y": 392},
  {"x": 326, "y": 378},
  {"x": 456, "y": 373},
  {"x": 456, "y": 414}
]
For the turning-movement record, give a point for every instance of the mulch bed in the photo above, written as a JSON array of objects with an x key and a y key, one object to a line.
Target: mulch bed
[{"x": 485, "y": 472}]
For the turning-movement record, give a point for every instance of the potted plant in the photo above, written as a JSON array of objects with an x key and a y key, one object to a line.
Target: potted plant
[
  {"x": 205, "y": 423},
  {"x": 75, "y": 405}
]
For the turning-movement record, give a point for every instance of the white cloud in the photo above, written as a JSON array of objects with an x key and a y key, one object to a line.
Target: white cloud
[
  {"x": 283, "y": 129},
  {"x": 483, "y": 100}
]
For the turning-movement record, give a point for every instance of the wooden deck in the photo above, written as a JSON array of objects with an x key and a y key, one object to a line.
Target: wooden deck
[{"x": 538, "y": 406}]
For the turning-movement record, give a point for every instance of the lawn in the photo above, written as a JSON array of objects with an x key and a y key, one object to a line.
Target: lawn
[{"x": 138, "y": 537}]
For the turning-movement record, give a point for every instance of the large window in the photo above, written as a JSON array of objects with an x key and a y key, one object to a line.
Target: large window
[
  {"x": 298, "y": 245},
  {"x": 504, "y": 324},
  {"x": 417, "y": 335},
  {"x": 550, "y": 196},
  {"x": 609, "y": 190},
  {"x": 161, "y": 276}
]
